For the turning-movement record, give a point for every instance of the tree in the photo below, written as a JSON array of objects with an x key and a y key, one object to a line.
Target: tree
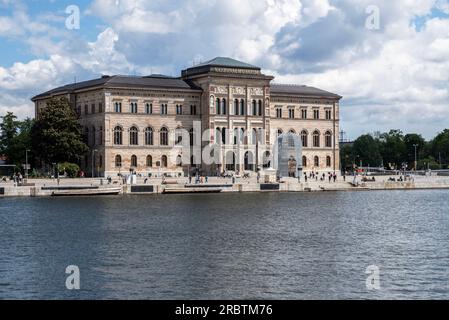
[
  {"x": 346, "y": 157},
  {"x": 393, "y": 149},
  {"x": 411, "y": 140},
  {"x": 15, "y": 138},
  {"x": 440, "y": 147},
  {"x": 9, "y": 129},
  {"x": 366, "y": 149},
  {"x": 56, "y": 134}
]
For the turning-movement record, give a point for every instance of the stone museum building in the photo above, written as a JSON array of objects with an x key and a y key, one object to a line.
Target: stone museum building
[{"x": 157, "y": 124}]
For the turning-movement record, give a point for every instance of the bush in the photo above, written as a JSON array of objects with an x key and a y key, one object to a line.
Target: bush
[{"x": 71, "y": 169}]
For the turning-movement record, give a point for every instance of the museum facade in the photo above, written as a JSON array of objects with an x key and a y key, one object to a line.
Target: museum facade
[{"x": 166, "y": 125}]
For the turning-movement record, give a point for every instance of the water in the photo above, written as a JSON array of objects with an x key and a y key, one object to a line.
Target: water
[{"x": 228, "y": 246}]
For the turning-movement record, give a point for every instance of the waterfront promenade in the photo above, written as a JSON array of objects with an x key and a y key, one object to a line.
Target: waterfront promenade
[{"x": 45, "y": 187}]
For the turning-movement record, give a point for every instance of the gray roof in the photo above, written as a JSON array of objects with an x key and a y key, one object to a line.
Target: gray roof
[
  {"x": 153, "y": 81},
  {"x": 226, "y": 62},
  {"x": 302, "y": 91}
]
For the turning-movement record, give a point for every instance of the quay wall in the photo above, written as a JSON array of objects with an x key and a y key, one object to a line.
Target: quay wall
[{"x": 45, "y": 188}]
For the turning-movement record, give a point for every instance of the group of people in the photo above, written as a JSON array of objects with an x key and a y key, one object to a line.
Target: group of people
[
  {"x": 199, "y": 179},
  {"x": 331, "y": 176}
]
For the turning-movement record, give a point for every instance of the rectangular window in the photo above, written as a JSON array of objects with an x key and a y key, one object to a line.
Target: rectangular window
[
  {"x": 178, "y": 109},
  {"x": 86, "y": 109},
  {"x": 149, "y": 108},
  {"x": 118, "y": 107},
  {"x": 100, "y": 107},
  {"x": 93, "y": 107},
  {"x": 278, "y": 112},
  {"x": 164, "y": 109},
  {"x": 133, "y": 107},
  {"x": 303, "y": 113},
  {"x": 328, "y": 114},
  {"x": 291, "y": 113},
  {"x": 193, "y": 110},
  {"x": 316, "y": 114}
]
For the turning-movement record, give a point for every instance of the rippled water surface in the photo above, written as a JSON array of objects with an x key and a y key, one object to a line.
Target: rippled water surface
[{"x": 228, "y": 246}]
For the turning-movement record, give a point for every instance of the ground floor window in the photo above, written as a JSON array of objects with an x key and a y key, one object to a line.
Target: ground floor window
[
  {"x": 118, "y": 161},
  {"x": 134, "y": 161}
]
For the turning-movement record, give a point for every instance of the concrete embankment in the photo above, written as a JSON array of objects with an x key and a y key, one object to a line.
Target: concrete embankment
[{"x": 46, "y": 188}]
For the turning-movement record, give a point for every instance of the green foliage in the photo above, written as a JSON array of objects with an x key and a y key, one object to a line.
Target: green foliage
[
  {"x": 366, "y": 150},
  {"x": 15, "y": 138},
  {"x": 439, "y": 147},
  {"x": 71, "y": 169},
  {"x": 56, "y": 134},
  {"x": 347, "y": 157},
  {"x": 393, "y": 149}
]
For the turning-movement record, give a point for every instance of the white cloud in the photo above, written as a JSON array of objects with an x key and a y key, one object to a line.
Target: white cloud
[{"x": 395, "y": 76}]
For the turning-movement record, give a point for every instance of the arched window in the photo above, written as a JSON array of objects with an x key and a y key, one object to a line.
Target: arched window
[
  {"x": 242, "y": 135},
  {"x": 134, "y": 161},
  {"x": 249, "y": 161},
  {"x": 316, "y": 139},
  {"x": 236, "y": 107},
  {"x": 304, "y": 138},
  {"x": 164, "y": 136},
  {"x": 266, "y": 159},
  {"x": 133, "y": 136},
  {"x": 260, "y": 108},
  {"x": 118, "y": 135},
  {"x": 316, "y": 161},
  {"x": 236, "y": 135},
  {"x": 218, "y": 135},
  {"x": 304, "y": 161},
  {"x": 223, "y": 107},
  {"x": 217, "y": 105},
  {"x": 223, "y": 135},
  {"x": 280, "y": 132},
  {"x": 230, "y": 160},
  {"x": 328, "y": 162},
  {"x": 118, "y": 161},
  {"x": 178, "y": 136},
  {"x": 149, "y": 161},
  {"x": 260, "y": 136},
  {"x": 328, "y": 139},
  {"x": 242, "y": 107},
  {"x": 191, "y": 137},
  {"x": 164, "y": 161},
  {"x": 254, "y": 136},
  {"x": 291, "y": 139},
  {"x": 149, "y": 141},
  {"x": 254, "y": 108},
  {"x": 179, "y": 161}
]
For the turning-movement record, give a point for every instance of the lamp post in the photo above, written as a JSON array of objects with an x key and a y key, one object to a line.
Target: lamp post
[
  {"x": 416, "y": 157},
  {"x": 93, "y": 162}
]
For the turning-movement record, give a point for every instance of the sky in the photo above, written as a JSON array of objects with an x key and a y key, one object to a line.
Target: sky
[{"x": 388, "y": 59}]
